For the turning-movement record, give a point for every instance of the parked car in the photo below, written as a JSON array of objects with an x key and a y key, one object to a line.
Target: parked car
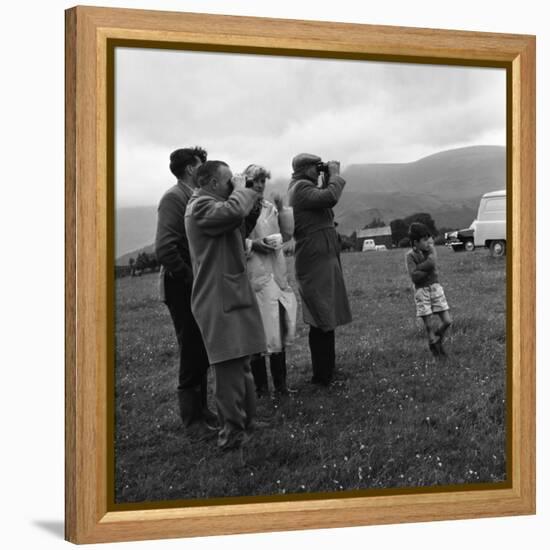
[
  {"x": 380, "y": 247},
  {"x": 462, "y": 239},
  {"x": 487, "y": 230}
]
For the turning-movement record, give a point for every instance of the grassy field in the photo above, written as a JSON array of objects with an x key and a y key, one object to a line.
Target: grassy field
[{"x": 396, "y": 417}]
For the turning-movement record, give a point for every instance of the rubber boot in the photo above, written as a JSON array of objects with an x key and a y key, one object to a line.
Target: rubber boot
[
  {"x": 321, "y": 346},
  {"x": 191, "y": 413},
  {"x": 317, "y": 360},
  {"x": 330, "y": 354},
  {"x": 188, "y": 405},
  {"x": 259, "y": 374},
  {"x": 210, "y": 418},
  {"x": 277, "y": 364}
]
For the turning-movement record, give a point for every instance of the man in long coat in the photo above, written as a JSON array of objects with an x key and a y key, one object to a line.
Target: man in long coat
[
  {"x": 222, "y": 299},
  {"x": 176, "y": 281},
  {"x": 317, "y": 259}
]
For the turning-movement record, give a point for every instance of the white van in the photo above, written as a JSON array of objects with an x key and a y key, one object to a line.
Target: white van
[
  {"x": 490, "y": 225},
  {"x": 487, "y": 230},
  {"x": 368, "y": 244}
]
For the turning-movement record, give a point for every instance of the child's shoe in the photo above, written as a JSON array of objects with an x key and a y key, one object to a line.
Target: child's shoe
[
  {"x": 434, "y": 348},
  {"x": 441, "y": 351}
]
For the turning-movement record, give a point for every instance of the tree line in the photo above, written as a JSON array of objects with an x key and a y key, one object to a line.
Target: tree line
[{"x": 399, "y": 230}]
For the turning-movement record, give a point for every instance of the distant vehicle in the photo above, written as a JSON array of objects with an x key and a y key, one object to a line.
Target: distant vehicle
[
  {"x": 487, "y": 230},
  {"x": 368, "y": 244},
  {"x": 380, "y": 247},
  {"x": 461, "y": 240}
]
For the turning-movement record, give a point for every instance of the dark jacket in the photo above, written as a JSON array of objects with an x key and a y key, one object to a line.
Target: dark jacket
[
  {"x": 422, "y": 268},
  {"x": 222, "y": 299},
  {"x": 171, "y": 246},
  {"x": 317, "y": 254}
]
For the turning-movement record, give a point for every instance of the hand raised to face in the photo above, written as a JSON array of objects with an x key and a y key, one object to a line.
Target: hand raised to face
[
  {"x": 238, "y": 181},
  {"x": 333, "y": 168},
  {"x": 277, "y": 201}
]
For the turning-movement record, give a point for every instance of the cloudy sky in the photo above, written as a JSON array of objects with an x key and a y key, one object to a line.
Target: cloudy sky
[{"x": 264, "y": 110}]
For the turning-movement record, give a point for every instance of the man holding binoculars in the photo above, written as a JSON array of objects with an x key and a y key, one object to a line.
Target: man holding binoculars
[{"x": 317, "y": 258}]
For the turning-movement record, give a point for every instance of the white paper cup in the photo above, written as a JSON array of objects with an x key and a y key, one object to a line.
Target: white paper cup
[{"x": 276, "y": 239}]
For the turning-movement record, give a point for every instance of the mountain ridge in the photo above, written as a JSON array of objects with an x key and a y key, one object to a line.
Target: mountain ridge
[{"x": 447, "y": 184}]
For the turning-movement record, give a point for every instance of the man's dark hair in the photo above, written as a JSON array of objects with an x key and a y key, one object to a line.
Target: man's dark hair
[
  {"x": 418, "y": 231},
  {"x": 207, "y": 171},
  {"x": 180, "y": 159}
]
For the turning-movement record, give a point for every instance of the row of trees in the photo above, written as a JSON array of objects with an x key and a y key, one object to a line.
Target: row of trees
[
  {"x": 143, "y": 262},
  {"x": 400, "y": 227},
  {"x": 399, "y": 230}
]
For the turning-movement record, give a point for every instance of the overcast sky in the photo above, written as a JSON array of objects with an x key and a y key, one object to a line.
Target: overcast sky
[{"x": 259, "y": 109}]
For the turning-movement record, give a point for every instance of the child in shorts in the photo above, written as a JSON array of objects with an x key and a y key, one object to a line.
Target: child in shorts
[{"x": 429, "y": 297}]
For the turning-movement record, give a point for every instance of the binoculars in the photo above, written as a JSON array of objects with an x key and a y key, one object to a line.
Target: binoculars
[{"x": 322, "y": 167}]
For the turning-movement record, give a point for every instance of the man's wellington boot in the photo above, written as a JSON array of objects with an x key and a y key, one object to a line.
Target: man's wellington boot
[
  {"x": 319, "y": 361},
  {"x": 277, "y": 364},
  {"x": 259, "y": 373},
  {"x": 191, "y": 414},
  {"x": 210, "y": 418}
]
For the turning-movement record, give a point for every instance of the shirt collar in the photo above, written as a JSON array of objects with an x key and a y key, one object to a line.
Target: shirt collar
[{"x": 189, "y": 189}]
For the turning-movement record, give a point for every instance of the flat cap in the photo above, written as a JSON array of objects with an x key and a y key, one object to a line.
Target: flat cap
[{"x": 301, "y": 161}]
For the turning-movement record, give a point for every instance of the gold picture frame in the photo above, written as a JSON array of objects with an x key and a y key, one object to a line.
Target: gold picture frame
[{"x": 91, "y": 36}]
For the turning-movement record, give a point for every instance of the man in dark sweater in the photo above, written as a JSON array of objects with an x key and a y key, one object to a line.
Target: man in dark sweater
[{"x": 176, "y": 281}]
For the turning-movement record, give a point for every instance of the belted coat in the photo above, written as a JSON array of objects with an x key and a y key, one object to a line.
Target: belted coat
[{"x": 317, "y": 254}]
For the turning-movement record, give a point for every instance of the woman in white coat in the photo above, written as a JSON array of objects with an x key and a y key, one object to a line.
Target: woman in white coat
[{"x": 266, "y": 266}]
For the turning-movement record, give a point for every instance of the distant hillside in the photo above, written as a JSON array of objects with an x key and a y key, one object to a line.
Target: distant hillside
[
  {"x": 355, "y": 210},
  {"x": 457, "y": 173},
  {"x": 125, "y": 258},
  {"x": 448, "y": 185},
  {"x": 134, "y": 228}
]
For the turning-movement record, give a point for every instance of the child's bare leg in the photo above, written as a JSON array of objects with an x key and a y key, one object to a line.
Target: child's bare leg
[
  {"x": 446, "y": 321},
  {"x": 432, "y": 338},
  {"x": 429, "y": 329}
]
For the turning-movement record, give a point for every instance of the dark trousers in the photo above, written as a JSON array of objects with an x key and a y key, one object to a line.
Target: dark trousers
[
  {"x": 323, "y": 356},
  {"x": 235, "y": 398},
  {"x": 193, "y": 360},
  {"x": 277, "y": 365}
]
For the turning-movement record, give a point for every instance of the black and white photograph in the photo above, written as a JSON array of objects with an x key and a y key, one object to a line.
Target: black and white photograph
[{"x": 310, "y": 276}]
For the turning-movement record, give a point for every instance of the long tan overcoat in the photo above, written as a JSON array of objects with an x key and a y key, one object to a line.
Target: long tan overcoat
[{"x": 222, "y": 300}]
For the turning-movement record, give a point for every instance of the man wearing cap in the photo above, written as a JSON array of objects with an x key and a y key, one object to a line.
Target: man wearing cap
[
  {"x": 317, "y": 259},
  {"x": 222, "y": 300}
]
